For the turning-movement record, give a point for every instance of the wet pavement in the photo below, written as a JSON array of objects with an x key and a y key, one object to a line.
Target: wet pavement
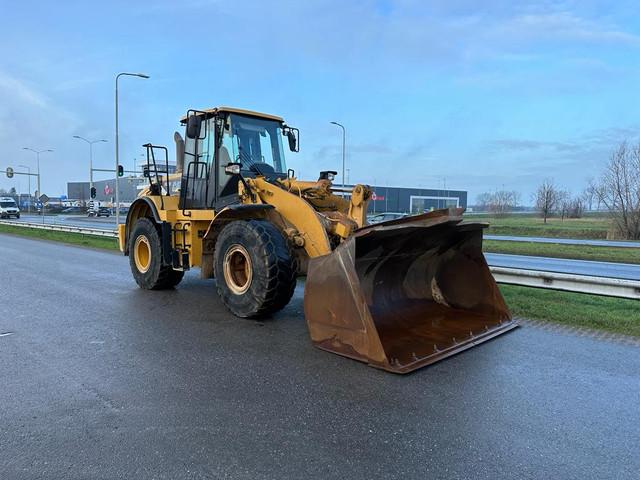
[{"x": 100, "y": 379}]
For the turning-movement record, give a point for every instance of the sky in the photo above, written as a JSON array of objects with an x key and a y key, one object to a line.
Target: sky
[{"x": 477, "y": 96}]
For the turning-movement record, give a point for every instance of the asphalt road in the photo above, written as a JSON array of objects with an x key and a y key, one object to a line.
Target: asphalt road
[
  {"x": 103, "y": 380},
  {"x": 626, "y": 271},
  {"x": 566, "y": 241}
]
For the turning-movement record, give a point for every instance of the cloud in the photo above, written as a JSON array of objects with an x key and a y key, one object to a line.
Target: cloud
[
  {"x": 15, "y": 89},
  {"x": 567, "y": 26},
  {"x": 528, "y": 145}
]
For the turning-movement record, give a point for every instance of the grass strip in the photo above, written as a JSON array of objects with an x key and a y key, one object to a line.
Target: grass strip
[
  {"x": 64, "y": 237},
  {"x": 615, "y": 315},
  {"x": 592, "y": 227}
]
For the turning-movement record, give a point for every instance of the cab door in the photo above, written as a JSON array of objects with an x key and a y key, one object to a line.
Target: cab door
[{"x": 198, "y": 178}]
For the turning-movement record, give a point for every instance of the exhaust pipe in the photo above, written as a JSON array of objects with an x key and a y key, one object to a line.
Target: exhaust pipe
[{"x": 179, "y": 152}]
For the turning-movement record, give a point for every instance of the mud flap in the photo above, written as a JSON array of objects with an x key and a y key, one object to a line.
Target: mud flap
[{"x": 403, "y": 294}]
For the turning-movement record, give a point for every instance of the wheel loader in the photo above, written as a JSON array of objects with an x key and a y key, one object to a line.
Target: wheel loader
[{"x": 397, "y": 295}]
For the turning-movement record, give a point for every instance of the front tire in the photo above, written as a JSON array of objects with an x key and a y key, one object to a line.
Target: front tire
[
  {"x": 254, "y": 267},
  {"x": 145, "y": 258}
]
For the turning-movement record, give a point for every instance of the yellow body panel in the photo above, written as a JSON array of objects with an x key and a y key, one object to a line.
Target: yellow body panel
[
  {"x": 295, "y": 211},
  {"x": 192, "y": 225}
]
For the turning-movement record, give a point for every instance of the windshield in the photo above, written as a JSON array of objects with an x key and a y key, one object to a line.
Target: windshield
[
  {"x": 8, "y": 204},
  {"x": 257, "y": 143}
]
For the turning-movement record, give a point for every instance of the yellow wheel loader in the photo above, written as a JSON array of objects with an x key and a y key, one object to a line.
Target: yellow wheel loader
[{"x": 398, "y": 295}]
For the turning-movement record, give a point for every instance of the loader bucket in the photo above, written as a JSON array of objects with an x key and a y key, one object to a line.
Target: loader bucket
[{"x": 403, "y": 294}]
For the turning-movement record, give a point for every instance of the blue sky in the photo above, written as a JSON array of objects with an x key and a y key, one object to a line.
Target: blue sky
[{"x": 503, "y": 94}]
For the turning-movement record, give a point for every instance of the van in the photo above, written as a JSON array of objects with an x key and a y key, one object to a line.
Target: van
[{"x": 8, "y": 208}]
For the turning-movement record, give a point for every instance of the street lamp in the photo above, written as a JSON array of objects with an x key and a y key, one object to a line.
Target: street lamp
[
  {"x": 122, "y": 74},
  {"x": 90, "y": 142},
  {"x": 344, "y": 135},
  {"x": 38, "y": 152},
  {"x": 29, "y": 172}
]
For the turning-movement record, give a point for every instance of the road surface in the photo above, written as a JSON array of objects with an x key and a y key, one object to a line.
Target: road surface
[
  {"x": 566, "y": 241},
  {"x": 103, "y": 380}
]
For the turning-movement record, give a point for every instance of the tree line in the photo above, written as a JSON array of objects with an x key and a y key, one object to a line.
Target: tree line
[{"x": 616, "y": 191}]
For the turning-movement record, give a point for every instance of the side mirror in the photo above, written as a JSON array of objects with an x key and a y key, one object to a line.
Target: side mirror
[
  {"x": 292, "y": 135},
  {"x": 233, "y": 168},
  {"x": 194, "y": 122}
]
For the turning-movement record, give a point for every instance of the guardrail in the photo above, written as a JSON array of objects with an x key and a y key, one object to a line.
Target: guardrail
[
  {"x": 612, "y": 287},
  {"x": 568, "y": 282},
  {"x": 98, "y": 232}
]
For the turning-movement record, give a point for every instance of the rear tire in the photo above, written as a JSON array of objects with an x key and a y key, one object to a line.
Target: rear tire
[
  {"x": 145, "y": 258},
  {"x": 254, "y": 268}
]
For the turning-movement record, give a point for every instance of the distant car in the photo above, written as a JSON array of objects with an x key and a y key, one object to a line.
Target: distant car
[
  {"x": 73, "y": 210},
  {"x": 385, "y": 217},
  {"x": 100, "y": 212},
  {"x": 8, "y": 208}
]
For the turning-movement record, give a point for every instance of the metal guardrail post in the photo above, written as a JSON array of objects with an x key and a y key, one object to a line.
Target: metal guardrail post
[
  {"x": 64, "y": 228},
  {"x": 612, "y": 287}
]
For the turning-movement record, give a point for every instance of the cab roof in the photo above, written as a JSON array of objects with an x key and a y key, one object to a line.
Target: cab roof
[{"x": 213, "y": 111}]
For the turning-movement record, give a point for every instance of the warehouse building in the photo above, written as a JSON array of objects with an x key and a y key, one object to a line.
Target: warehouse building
[
  {"x": 385, "y": 199},
  {"x": 414, "y": 200},
  {"x": 106, "y": 189}
]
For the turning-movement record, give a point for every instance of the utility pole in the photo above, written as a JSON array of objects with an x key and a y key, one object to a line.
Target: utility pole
[
  {"x": 38, "y": 152},
  {"x": 122, "y": 74},
  {"x": 29, "y": 172},
  {"x": 344, "y": 137},
  {"x": 90, "y": 142}
]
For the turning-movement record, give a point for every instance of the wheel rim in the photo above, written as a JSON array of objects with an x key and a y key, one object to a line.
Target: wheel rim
[
  {"x": 142, "y": 254},
  {"x": 237, "y": 269}
]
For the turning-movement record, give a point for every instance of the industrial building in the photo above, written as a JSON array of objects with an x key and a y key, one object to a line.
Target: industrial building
[
  {"x": 106, "y": 189},
  {"x": 385, "y": 199},
  {"x": 414, "y": 200}
]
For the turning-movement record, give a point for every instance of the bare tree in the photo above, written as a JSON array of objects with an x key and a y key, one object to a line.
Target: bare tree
[
  {"x": 571, "y": 207},
  {"x": 548, "y": 198},
  {"x": 483, "y": 201},
  {"x": 499, "y": 203},
  {"x": 588, "y": 196},
  {"x": 618, "y": 189}
]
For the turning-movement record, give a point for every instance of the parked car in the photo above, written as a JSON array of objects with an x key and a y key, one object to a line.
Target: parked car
[
  {"x": 8, "y": 208},
  {"x": 73, "y": 210},
  {"x": 385, "y": 217},
  {"x": 100, "y": 212}
]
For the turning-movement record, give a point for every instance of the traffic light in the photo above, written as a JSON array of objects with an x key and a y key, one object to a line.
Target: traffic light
[
  {"x": 93, "y": 192},
  {"x": 120, "y": 171}
]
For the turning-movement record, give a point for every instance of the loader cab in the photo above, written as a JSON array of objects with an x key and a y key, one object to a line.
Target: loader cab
[{"x": 216, "y": 138}]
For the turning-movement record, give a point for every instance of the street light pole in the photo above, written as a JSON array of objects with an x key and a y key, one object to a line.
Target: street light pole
[
  {"x": 29, "y": 172},
  {"x": 38, "y": 152},
  {"x": 344, "y": 136},
  {"x": 122, "y": 74},
  {"x": 90, "y": 142}
]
